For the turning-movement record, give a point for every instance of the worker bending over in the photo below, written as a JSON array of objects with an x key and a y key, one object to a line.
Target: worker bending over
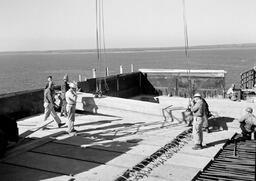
[{"x": 248, "y": 123}]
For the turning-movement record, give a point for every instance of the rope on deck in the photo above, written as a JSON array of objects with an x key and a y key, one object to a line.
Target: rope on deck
[{"x": 144, "y": 168}]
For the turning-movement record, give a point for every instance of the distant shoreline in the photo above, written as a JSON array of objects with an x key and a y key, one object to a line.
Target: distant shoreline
[{"x": 134, "y": 50}]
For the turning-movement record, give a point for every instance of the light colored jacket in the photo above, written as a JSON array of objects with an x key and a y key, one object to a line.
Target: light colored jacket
[
  {"x": 71, "y": 97},
  {"x": 249, "y": 120},
  {"x": 198, "y": 108}
]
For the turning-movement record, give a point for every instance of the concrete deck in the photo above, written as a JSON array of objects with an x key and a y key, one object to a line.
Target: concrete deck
[{"x": 99, "y": 152}]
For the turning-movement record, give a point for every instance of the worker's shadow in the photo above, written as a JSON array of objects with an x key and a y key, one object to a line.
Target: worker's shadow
[
  {"x": 219, "y": 123},
  {"x": 89, "y": 105}
]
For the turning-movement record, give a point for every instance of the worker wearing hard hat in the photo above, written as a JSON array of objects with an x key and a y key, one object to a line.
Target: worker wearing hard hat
[
  {"x": 247, "y": 123},
  {"x": 71, "y": 107},
  {"x": 198, "y": 110}
]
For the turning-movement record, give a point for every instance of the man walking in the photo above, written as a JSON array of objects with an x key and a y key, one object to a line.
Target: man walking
[
  {"x": 198, "y": 108},
  {"x": 64, "y": 89},
  {"x": 71, "y": 107},
  {"x": 49, "y": 105}
]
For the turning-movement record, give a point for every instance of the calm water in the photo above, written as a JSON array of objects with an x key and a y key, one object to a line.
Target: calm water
[{"x": 29, "y": 71}]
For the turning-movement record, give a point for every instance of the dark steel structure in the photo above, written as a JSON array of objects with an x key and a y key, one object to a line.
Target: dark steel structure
[
  {"x": 236, "y": 161},
  {"x": 248, "y": 79}
]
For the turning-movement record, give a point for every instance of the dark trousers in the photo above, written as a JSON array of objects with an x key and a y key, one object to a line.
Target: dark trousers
[
  {"x": 63, "y": 107},
  {"x": 246, "y": 134}
]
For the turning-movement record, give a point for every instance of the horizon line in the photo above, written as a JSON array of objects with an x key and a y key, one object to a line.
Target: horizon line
[{"x": 109, "y": 50}]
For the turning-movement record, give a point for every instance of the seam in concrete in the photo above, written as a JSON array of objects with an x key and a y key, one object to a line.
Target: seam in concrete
[{"x": 19, "y": 165}]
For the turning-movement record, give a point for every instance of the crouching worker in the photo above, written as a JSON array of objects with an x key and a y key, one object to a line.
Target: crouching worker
[
  {"x": 198, "y": 108},
  {"x": 247, "y": 123},
  {"x": 71, "y": 107}
]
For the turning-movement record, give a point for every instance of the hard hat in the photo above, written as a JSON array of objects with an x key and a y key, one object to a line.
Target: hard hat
[
  {"x": 197, "y": 95},
  {"x": 72, "y": 85},
  {"x": 249, "y": 109},
  {"x": 65, "y": 77}
]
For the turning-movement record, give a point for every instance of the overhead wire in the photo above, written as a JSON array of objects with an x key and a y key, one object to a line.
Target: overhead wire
[
  {"x": 104, "y": 43},
  {"x": 97, "y": 33},
  {"x": 97, "y": 41},
  {"x": 187, "y": 47},
  {"x": 101, "y": 46}
]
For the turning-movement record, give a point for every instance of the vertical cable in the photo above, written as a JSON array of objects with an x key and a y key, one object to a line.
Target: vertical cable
[
  {"x": 104, "y": 44},
  {"x": 97, "y": 43},
  {"x": 100, "y": 38},
  {"x": 186, "y": 47}
]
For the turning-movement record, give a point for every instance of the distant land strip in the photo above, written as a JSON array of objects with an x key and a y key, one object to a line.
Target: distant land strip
[{"x": 129, "y": 50}]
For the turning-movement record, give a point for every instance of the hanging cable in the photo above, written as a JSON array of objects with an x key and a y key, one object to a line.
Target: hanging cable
[
  {"x": 100, "y": 38},
  {"x": 97, "y": 33},
  {"x": 104, "y": 43},
  {"x": 97, "y": 44},
  {"x": 186, "y": 47}
]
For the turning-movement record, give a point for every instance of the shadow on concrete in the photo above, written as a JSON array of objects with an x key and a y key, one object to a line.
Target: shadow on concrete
[
  {"x": 214, "y": 143},
  {"x": 69, "y": 156},
  {"x": 89, "y": 104},
  {"x": 115, "y": 126},
  {"x": 219, "y": 123},
  {"x": 96, "y": 114},
  {"x": 87, "y": 124},
  {"x": 99, "y": 122}
]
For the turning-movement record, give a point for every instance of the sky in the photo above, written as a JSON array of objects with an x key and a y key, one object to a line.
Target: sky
[{"x": 71, "y": 24}]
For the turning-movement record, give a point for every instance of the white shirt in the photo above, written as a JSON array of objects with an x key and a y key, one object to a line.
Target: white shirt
[{"x": 71, "y": 97}]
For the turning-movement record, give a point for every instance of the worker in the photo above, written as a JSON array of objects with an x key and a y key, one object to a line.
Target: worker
[
  {"x": 49, "y": 80},
  {"x": 198, "y": 109},
  {"x": 247, "y": 123},
  {"x": 49, "y": 105},
  {"x": 230, "y": 92},
  {"x": 207, "y": 114},
  {"x": 64, "y": 89},
  {"x": 71, "y": 107}
]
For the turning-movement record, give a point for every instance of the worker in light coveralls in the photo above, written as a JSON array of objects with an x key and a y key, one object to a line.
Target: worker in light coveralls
[
  {"x": 71, "y": 107},
  {"x": 198, "y": 110}
]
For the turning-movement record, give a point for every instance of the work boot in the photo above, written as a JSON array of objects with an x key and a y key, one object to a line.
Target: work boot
[
  {"x": 206, "y": 130},
  {"x": 45, "y": 128},
  {"x": 61, "y": 124},
  {"x": 63, "y": 114},
  {"x": 197, "y": 147},
  {"x": 72, "y": 134},
  {"x": 73, "y": 131}
]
